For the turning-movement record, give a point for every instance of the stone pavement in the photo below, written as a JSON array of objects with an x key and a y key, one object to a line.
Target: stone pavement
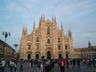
[{"x": 83, "y": 68}]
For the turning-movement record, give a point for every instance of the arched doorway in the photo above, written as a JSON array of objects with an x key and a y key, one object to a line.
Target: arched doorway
[
  {"x": 37, "y": 56},
  {"x": 29, "y": 56},
  {"x": 59, "y": 56},
  {"x": 48, "y": 55},
  {"x": 66, "y": 55}
]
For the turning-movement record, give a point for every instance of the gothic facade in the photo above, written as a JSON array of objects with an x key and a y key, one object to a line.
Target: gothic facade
[{"x": 47, "y": 40}]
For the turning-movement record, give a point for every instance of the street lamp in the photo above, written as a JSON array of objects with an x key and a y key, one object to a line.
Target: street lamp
[
  {"x": 5, "y": 34},
  {"x": 15, "y": 45}
]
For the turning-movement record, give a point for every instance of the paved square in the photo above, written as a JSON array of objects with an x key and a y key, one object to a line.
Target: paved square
[{"x": 28, "y": 68}]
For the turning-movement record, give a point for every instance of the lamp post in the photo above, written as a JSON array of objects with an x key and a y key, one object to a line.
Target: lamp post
[
  {"x": 5, "y": 34},
  {"x": 15, "y": 45}
]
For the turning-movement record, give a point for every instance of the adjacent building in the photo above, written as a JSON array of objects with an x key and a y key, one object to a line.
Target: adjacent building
[
  {"x": 6, "y": 51},
  {"x": 85, "y": 53},
  {"x": 46, "y": 40}
]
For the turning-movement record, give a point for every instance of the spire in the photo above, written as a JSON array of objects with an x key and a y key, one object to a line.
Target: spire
[
  {"x": 26, "y": 28},
  {"x": 34, "y": 26},
  {"x": 41, "y": 20},
  {"x": 23, "y": 32},
  {"x": 43, "y": 17},
  {"x": 52, "y": 19},
  {"x": 61, "y": 26},
  {"x": 23, "y": 29},
  {"x": 55, "y": 19},
  {"x": 69, "y": 33},
  {"x": 62, "y": 30}
]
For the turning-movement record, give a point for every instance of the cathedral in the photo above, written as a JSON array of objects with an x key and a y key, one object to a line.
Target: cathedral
[{"x": 46, "y": 40}]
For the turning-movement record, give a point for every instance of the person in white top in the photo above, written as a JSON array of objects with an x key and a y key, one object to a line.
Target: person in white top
[
  {"x": 11, "y": 65},
  {"x": 3, "y": 63}
]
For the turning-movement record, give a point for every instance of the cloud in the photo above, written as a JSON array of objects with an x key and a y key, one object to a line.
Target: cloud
[{"x": 75, "y": 15}]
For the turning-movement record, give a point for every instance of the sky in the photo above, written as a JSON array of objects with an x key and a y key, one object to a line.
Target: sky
[{"x": 77, "y": 15}]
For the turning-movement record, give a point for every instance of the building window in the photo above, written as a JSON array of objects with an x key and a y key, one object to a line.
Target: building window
[
  {"x": 59, "y": 47},
  {"x": 58, "y": 39},
  {"x": 48, "y": 41},
  {"x": 37, "y": 39},
  {"x": 29, "y": 46},
  {"x": 66, "y": 47},
  {"x": 48, "y": 30}
]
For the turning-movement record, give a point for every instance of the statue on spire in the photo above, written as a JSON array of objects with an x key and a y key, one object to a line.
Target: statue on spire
[{"x": 89, "y": 44}]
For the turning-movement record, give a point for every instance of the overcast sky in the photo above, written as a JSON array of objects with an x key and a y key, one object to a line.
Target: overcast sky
[{"x": 77, "y": 15}]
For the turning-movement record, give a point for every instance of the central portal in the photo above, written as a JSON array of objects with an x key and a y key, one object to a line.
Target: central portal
[
  {"x": 29, "y": 56},
  {"x": 48, "y": 55},
  {"x": 37, "y": 56},
  {"x": 59, "y": 56}
]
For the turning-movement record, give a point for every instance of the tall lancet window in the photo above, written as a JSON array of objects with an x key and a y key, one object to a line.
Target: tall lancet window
[
  {"x": 66, "y": 47},
  {"x": 37, "y": 39},
  {"x": 59, "y": 40},
  {"x": 48, "y": 30},
  {"x": 48, "y": 41},
  {"x": 29, "y": 46}
]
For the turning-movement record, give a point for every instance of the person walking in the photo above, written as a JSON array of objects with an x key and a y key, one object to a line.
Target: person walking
[
  {"x": 74, "y": 62},
  {"x": 62, "y": 64},
  {"x": 93, "y": 61},
  {"x": 15, "y": 66},
  {"x": 67, "y": 63},
  {"x": 78, "y": 63}
]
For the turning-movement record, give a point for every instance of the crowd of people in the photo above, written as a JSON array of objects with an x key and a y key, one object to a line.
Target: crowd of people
[
  {"x": 12, "y": 64},
  {"x": 45, "y": 65},
  {"x": 90, "y": 62}
]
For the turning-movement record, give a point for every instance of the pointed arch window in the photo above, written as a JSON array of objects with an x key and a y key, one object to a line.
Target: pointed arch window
[
  {"x": 59, "y": 40},
  {"x": 48, "y": 41},
  {"x": 59, "y": 47},
  {"x": 37, "y": 39},
  {"x": 48, "y": 30},
  {"x": 29, "y": 46},
  {"x": 66, "y": 47}
]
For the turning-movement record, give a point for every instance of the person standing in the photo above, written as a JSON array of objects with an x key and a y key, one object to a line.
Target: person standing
[
  {"x": 3, "y": 63},
  {"x": 74, "y": 62},
  {"x": 62, "y": 64},
  {"x": 21, "y": 66},
  {"x": 11, "y": 65},
  {"x": 15, "y": 66},
  {"x": 31, "y": 63},
  {"x": 47, "y": 65},
  {"x": 42, "y": 64}
]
